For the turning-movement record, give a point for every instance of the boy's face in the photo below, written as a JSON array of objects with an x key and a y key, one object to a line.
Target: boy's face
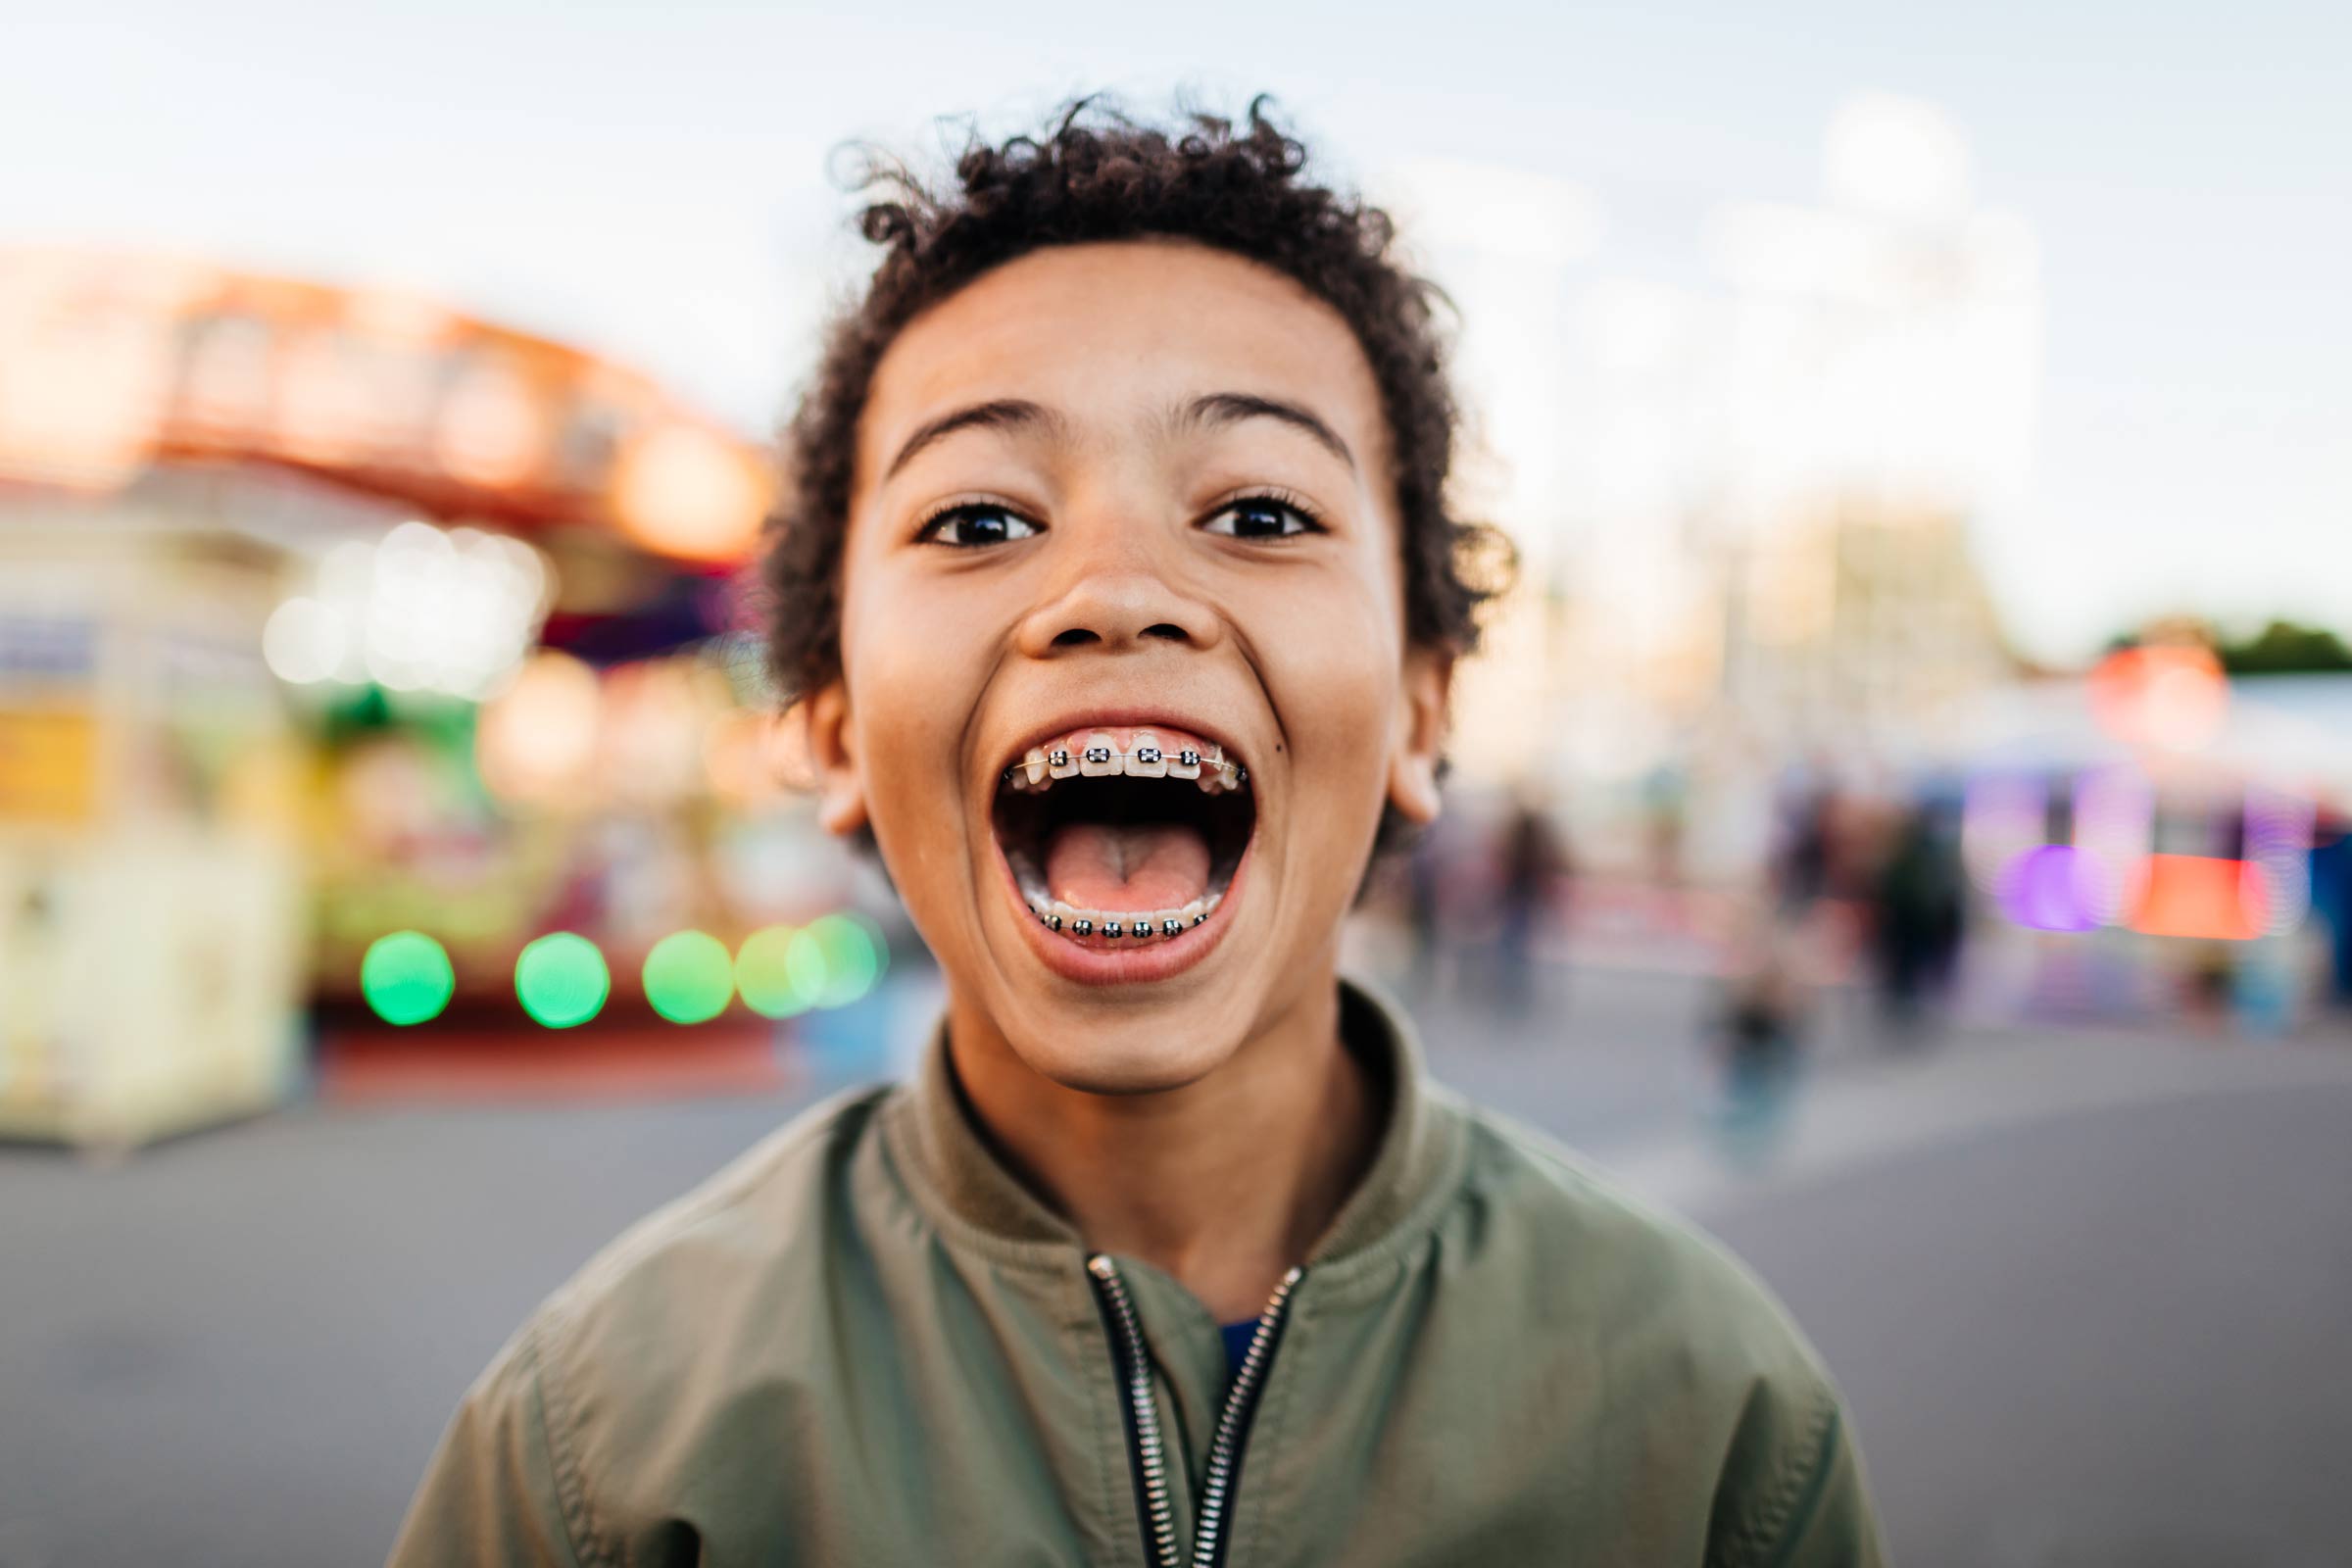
[{"x": 1134, "y": 496}]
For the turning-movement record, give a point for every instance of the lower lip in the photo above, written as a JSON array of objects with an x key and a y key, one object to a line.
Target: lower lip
[{"x": 1097, "y": 962}]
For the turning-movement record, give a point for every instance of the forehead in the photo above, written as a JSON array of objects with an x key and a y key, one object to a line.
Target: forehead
[{"x": 1105, "y": 330}]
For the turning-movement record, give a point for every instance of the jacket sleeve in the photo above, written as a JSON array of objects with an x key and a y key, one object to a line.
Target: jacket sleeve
[
  {"x": 1792, "y": 1494},
  {"x": 492, "y": 1494}
]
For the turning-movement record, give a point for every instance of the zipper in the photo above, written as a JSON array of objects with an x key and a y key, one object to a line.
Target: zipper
[
  {"x": 1223, "y": 1476},
  {"x": 1233, "y": 1426}
]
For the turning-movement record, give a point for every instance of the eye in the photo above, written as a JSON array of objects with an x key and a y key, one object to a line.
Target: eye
[
  {"x": 975, "y": 524},
  {"x": 1261, "y": 518}
]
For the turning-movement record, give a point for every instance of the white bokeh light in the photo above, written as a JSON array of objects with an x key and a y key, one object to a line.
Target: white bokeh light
[
  {"x": 422, "y": 610},
  {"x": 304, "y": 640}
]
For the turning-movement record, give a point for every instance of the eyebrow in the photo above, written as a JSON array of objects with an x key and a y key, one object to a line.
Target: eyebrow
[
  {"x": 1231, "y": 408},
  {"x": 1212, "y": 410},
  {"x": 1003, "y": 413}
]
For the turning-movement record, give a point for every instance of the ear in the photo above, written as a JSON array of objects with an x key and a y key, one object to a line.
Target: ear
[
  {"x": 833, "y": 755},
  {"x": 1424, "y": 707}
]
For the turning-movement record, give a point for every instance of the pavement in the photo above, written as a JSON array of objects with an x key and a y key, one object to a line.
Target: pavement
[
  {"x": 2104, "y": 1336},
  {"x": 2082, "y": 1290}
]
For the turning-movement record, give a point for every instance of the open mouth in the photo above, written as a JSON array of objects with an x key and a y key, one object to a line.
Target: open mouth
[{"x": 1122, "y": 838}]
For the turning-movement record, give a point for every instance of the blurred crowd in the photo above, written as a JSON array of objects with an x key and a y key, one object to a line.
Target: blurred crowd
[{"x": 1866, "y": 893}]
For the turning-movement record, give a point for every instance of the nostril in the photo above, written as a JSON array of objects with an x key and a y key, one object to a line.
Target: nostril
[
  {"x": 1173, "y": 633},
  {"x": 1076, "y": 636}
]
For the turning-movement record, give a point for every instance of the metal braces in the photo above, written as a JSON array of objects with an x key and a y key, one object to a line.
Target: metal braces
[
  {"x": 1081, "y": 926},
  {"x": 1233, "y": 771}
]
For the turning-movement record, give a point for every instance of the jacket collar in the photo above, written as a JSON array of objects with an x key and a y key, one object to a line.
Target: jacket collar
[{"x": 938, "y": 1137}]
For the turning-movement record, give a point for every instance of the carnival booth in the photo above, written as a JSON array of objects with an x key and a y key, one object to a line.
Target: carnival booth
[
  {"x": 286, "y": 572},
  {"x": 2146, "y": 835}
]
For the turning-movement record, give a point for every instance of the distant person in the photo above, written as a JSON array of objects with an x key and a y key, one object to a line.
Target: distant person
[
  {"x": 1425, "y": 874},
  {"x": 2331, "y": 898},
  {"x": 1803, "y": 865},
  {"x": 1532, "y": 864},
  {"x": 1117, "y": 579},
  {"x": 1919, "y": 915},
  {"x": 1760, "y": 1034}
]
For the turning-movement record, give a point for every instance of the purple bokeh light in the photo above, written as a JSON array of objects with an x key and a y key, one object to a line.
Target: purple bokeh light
[{"x": 2046, "y": 889}]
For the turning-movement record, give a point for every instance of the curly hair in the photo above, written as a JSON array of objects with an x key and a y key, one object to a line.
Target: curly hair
[{"x": 1097, "y": 176}]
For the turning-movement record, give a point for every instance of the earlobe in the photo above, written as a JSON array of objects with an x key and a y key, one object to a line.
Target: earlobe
[
  {"x": 840, "y": 782},
  {"x": 1414, "y": 762}
]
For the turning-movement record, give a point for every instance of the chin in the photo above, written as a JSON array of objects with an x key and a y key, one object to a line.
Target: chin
[{"x": 1142, "y": 1066}]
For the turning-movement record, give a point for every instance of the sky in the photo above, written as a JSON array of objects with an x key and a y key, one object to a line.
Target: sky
[{"x": 655, "y": 183}]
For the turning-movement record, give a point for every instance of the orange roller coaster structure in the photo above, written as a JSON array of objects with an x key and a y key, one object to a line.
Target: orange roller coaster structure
[{"x": 111, "y": 362}]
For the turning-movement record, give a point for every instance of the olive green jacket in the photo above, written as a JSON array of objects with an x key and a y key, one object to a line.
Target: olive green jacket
[{"x": 865, "y": 1341}]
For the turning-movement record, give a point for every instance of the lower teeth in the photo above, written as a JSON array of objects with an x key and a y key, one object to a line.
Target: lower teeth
[{"x": 1155, "y": 926}]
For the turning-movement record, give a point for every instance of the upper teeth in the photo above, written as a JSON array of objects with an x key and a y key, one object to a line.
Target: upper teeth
[{"x": 1101, "y": 757}]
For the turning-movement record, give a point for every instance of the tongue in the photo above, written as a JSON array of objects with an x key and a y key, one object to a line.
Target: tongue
[{"x": 1127, "y": 865}]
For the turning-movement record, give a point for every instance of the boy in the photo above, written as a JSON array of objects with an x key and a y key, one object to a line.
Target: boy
[{"x": 1120, "y": 597}]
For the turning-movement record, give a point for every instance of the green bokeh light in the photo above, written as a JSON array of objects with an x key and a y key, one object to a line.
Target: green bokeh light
[
  {"x": 842, "y": 958},
  {"x": 689, "y": 977},
  {"x": 877, "y": 947},
  {"x": 762, "y": 973},
  {"x": 406, "y": 977},
  {"x": 808, "y": 966},
  {"x": 561, "y": 980}
]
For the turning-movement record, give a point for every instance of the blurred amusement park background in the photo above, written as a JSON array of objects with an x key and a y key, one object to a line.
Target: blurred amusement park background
[
  {"x": 1881, "y": 755},
  {"x": 368, "y": 665},
  {"x": 352, "y": 645}
]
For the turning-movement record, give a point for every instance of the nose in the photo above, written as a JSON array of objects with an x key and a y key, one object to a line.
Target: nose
[{"x": 1112, "y": 593}]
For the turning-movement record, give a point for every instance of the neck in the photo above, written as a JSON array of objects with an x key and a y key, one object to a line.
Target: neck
[{"x": 1223, "y": 1183}]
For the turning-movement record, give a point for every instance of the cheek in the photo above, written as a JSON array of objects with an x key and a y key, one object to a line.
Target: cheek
[
  {"x": 1337, "y": 678},
  {"x": 910, "y": 698}
]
